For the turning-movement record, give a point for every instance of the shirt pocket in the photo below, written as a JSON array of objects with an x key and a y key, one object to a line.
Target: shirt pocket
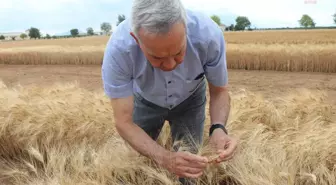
[{"x": 193, "y": 83}]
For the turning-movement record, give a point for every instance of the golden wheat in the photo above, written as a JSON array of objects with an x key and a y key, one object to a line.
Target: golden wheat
[
  {"x": 300, "y": 50},
  {"x": 65, "y": 135},
  {"x": 282, "y": 57},
  {"x": 320, "y": 36}
]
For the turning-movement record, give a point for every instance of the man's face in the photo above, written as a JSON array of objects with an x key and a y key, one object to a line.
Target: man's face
[{"x": 164, "y": 51}]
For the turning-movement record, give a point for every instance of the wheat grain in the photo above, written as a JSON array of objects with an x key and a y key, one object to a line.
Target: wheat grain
[{"x": 64, "y": 135}]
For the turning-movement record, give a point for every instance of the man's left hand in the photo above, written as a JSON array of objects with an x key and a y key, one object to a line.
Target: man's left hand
[{"x": 224, "y": 145}]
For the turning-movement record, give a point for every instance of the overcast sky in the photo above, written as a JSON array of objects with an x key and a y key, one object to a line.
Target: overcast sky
[{"x": 59, "y": 16}]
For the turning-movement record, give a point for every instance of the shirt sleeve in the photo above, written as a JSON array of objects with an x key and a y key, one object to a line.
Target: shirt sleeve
[
  {"x": 216, "y": 66},
  {"x": 116, "y": 73}
]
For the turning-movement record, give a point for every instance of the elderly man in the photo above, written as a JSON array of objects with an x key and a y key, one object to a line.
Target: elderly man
[{"x": 155, "y": 69}]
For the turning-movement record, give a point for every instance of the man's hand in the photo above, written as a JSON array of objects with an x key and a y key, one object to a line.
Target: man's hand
[
  {"x": 224, "y": 145},
  {"x": 185, "y": 164},
  {"x": 219, "y": 113}
]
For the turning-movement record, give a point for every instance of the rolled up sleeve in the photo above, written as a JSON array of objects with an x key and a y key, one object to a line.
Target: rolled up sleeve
[
  {"x": 116, "y": 73},
  {"x": 216, "y": 66}
]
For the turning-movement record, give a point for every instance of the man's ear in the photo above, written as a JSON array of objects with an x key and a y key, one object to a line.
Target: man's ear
[{"x": 136, "y": 39}]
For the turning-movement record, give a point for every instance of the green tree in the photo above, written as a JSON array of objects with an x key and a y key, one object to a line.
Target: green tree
[
  {"x": 242, "y": 22},
  {"x": 74, "y": 32},
  {"x": 106, "y": 27},
  {"x": 89, "y": 31},
  {"x": 334, "y": 18},
  {"x": 13, "y": 37},
  {"x": 306, "y": 21},
  {"x": 231, "y": 27},
  {"x": 121, "y": 18},
  {"x": 34, "y": 33},
  {"x": 216, "y": 19},
  {"x": 2, "y": 37},
  {"x": 23, "y": 36},
  {"x": 48, "y": 36}
]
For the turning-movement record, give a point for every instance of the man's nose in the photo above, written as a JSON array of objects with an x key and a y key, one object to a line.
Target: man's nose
[{"x": 170, "y": 63}]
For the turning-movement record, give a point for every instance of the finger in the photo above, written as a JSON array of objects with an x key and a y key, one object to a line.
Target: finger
[
  {"x": 229, "y": 157},
  {"x": 183, "y": 163},
  {"x": 195, "y": 158},
  {"x": 193, "y": 176},
  {"x": 190, "y": 164},
  {"x": 229, "y": 151},
  {"x": 224, "y": 157},
  {"x": 213, "y": 158},
  {"x": 201, "y": 166},
  {"x": 191, "y": 170},
  {"x": 219, "y": 160}
]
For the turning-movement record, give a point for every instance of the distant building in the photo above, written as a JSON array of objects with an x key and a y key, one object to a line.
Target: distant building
[
  {"x": 10, "y": 35},
  {"x": 102, "y": 33},
  {"x": 98, "y": 33},
  {"x": 16, "y": 35}
]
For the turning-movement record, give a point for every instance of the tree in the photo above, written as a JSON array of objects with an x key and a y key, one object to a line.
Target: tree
[
  {"x": 2, "y": 37},
  {"x": 48, "y": 36},
  {"x": 34, "y": 33},
  {"x": 121, "y": 18},
  {"x": 334, "y": 18},
  {"x": 306, "y": 21},
  {"x": 242, "y": 22},
  {"x": 89, "y": 31},
  {"x": 74, "y": 32},
  {"x": 106, "y": 27},
  {"x": 231, "y": 27},
  {"x": 216, "y": 19},
  {"x": 13, "y": 37},
  {"x": 23, "y": 36}
]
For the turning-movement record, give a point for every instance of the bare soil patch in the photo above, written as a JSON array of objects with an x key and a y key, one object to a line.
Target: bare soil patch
[{"x": 268, "y": 83}]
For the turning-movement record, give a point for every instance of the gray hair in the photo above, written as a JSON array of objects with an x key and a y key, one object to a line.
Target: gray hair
[{"x": 156, "y": 16}]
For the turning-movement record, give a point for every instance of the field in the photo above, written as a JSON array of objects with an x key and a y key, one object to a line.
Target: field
[
  {"x": 57, "y": 126},
  {"x": 308, "y": 51}
]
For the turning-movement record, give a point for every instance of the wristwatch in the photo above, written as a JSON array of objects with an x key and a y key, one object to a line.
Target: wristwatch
[{"x": 215, "y": 126}]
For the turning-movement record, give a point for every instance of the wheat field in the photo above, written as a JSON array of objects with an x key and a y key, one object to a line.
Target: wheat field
[
  {"x": 299, "y": 50},
  {"x": 65, "y": 135}
]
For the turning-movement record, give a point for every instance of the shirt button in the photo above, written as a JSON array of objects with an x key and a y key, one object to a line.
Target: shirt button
[
  {"x": 170, "y": 96},
  {"x": 169, "y": 82}
]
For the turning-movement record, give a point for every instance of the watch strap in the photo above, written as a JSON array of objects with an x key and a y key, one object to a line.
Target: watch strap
[{"x": 215, "y": 126}]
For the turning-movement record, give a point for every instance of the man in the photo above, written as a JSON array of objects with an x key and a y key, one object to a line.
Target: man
[{"x": 154, "y": 69}]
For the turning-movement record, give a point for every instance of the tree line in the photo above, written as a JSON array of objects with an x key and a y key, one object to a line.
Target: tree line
[
  {"x": 243, "y": 23},
  {"x": 35, "y": 33}
]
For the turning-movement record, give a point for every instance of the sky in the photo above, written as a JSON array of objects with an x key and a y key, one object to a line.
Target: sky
[{"x": 60, "y": 16}]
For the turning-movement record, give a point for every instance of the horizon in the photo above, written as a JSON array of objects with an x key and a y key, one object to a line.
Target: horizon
[{"x": 59, "y": 17}]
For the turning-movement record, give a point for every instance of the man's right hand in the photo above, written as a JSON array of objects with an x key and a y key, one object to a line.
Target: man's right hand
[{"x": 185, "y": 164}]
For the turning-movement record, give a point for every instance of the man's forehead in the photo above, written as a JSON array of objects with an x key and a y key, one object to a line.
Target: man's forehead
[
  {"x": 164, "y": 44},
  {"x": 162, "y": 50}
]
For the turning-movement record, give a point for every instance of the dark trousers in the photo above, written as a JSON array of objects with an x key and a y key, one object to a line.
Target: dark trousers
[{"x": 186, "y": 120}]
